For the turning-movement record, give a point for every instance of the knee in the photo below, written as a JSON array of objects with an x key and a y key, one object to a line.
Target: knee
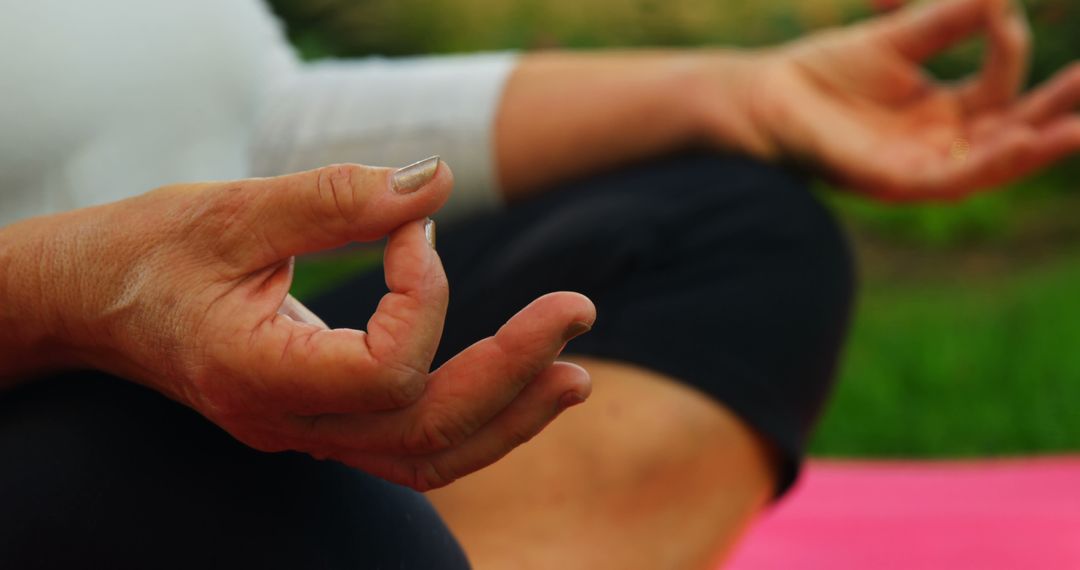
[
  {"x": 737, "y": 225},
  {"x": 768, "y": 219},
  {"x": 787, "y": 263},
  {"x": 812, "y": 249}
]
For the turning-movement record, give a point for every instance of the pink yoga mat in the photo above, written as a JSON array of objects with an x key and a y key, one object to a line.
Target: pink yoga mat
[{"x": 985, "y": 515}]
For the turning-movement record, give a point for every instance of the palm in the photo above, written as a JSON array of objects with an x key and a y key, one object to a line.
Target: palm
[{"x": 857, "y": 103}]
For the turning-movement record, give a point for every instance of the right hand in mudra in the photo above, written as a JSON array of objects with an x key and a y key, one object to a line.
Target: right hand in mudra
[{"x": 185, "y": 290}]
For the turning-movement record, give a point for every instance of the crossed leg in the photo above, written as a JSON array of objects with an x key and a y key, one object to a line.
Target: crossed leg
[
  {"x": 722, "y": 289},
  {"x": 649, "y": 474}
]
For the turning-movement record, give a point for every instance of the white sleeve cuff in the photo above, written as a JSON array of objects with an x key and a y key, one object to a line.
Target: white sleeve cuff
[{"x": 390, "y": 113}]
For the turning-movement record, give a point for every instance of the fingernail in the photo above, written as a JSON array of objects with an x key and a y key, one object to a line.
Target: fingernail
[
  {"x": 576, "y": 329},
  {"x": 570, "y": 399},
  {"x": 296, "y": 311},
  {"x": 412, "y": 177},
  {"x": 429, "y": 231}
]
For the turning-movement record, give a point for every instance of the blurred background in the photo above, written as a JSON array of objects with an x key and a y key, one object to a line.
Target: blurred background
[{"x": 967, "y": 335}]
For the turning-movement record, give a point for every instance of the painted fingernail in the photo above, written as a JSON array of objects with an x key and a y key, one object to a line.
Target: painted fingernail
[
  {"x": 413, "y": 177},
  {"x": 570, "y": 399},
  {"x": 429, "y": 231},
  {"x": 576, "y": 329}
]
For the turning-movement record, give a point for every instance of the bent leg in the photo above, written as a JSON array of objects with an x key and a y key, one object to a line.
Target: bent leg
[
  {"x": 723, "y": 290},
  {"x": 649, "y": 474}
]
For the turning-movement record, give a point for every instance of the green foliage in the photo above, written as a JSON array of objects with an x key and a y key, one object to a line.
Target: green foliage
[
  {"x": 402, "y": 27},
  {"x": 961, "y": 368},
  {"x": 316, "y": 274},
  {"x": 979, "y": 219}
]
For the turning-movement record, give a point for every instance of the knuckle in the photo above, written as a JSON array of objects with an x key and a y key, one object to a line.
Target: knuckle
[
  {"x": 226, "y": 207},
  {"x": 434, "y": 433},
  {"x": 401, "y": 384},
  {"x": 218, "y": 212},
  {"x": 336, "y": 196},
  {"x": 519, "y": 435},
  {"x": 426, "y": 476}
]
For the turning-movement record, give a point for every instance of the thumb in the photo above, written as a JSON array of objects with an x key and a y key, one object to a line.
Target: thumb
[{"x": 332, "y": 206}]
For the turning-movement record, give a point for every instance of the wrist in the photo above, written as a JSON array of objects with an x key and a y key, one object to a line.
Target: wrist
[{"x": 726, "y": 91}]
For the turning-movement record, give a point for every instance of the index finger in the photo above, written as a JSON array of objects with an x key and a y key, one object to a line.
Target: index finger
[
  {"x": 405, "y": 330},
  {"x": 1006, "y": 63},
  {"x": 471, "y": 388},
  {"x": 922, "y": 31},
  {"x": 308, "y": 370}
]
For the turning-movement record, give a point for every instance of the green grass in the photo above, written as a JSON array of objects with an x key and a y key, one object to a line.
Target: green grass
[{"x": 961, "y": 369}]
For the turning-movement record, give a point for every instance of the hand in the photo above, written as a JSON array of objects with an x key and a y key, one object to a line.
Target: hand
[
  {"x": 184, "y": 289},
  {"x": 855, "y": 103}
]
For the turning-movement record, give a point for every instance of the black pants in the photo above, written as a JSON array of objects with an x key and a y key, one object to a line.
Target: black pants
[{"x": 721, "y": 272}]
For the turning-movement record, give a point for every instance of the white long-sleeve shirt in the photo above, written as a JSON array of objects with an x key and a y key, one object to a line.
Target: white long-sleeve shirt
[{"x": 108, "y": 99}]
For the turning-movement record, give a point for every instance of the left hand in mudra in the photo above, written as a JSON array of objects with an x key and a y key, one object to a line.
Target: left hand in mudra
[{"x": 856, "y": 104}]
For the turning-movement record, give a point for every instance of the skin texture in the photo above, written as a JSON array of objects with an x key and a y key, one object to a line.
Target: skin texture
[
  {"x": 650, "y": 463},
  {"x": 184, "y": 290}
]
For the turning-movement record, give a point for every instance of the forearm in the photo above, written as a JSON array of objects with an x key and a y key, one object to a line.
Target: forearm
[
  {"x": 29, "y": 345},
  {"x": 568, "y": 114}
]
